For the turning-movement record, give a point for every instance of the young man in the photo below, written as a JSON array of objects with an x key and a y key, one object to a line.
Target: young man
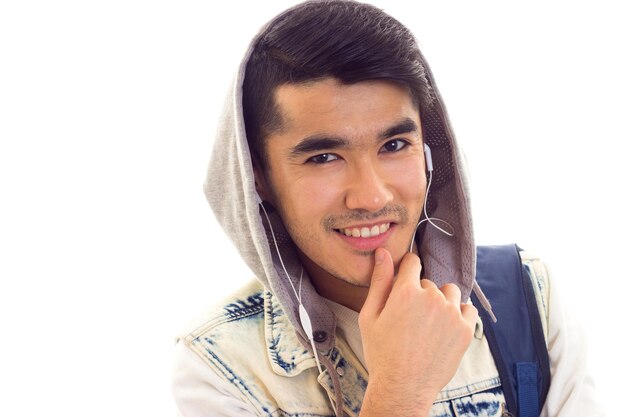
[{"x": 337, "y": 175}]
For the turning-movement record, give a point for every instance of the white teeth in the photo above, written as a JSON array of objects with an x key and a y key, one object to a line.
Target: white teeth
[{"x": 366, "y": 232}]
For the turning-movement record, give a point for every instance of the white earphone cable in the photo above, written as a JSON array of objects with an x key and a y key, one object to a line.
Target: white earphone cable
[
  {"x": 280, "y": 257},
  {"x": 430, "y": 219},
  {"x": 305, "y": 320}
]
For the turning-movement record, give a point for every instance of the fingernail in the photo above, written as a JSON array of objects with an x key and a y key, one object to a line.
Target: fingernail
[{"x": 379, "y": 256}]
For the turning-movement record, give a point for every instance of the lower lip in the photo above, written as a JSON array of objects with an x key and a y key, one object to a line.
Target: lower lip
[{"x": 367, "y": 243}]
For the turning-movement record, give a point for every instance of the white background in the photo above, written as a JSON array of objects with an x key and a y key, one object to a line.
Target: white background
[{"x": 107, "y": 112}]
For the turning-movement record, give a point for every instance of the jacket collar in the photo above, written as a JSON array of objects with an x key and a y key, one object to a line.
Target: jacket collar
[{"x": 287, "y": 356}]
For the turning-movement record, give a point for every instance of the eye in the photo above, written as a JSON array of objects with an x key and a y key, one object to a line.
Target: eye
[
  {"x": 394, "y": 145},
  {"x": 323, "y": 158}
]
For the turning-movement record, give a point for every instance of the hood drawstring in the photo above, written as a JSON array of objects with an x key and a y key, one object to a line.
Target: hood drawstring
[
  {"x": 484, "y": 301},
  {"x": 338, "y": 405}
]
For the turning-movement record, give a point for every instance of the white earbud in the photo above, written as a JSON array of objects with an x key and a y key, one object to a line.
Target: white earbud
[
  {"x": 305, "y": 320},
  {"x": 429, "y": 158}
]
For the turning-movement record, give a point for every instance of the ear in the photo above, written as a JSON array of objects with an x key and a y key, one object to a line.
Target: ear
[{"x": 260, "y": 182}]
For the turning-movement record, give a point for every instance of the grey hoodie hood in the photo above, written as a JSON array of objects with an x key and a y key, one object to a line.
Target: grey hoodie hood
[{"x": 230, "y": 190}]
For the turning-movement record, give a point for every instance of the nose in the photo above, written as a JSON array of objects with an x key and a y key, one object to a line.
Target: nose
[{"x": 368, "y": 189}]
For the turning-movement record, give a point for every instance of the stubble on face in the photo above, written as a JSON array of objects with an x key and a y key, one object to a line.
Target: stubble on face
[{"x": 330, "y": 224}]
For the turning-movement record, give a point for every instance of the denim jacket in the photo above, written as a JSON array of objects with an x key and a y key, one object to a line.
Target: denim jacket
[{"x": 250, "y": 343}]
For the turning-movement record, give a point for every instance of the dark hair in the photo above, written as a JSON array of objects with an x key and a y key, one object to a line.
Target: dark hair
[{"x": 349, "y": 41}]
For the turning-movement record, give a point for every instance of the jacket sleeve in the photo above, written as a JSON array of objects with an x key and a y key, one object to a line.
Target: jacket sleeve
[
  {"x": 199, "y": 392},
  {"x": 572, "y": 391}
]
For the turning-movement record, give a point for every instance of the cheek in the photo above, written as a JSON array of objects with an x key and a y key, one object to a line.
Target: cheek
[
  {"x": 315, "y": 197},
  {"x": 306, "y": 199},
  {"x": 409, "y": 180}
]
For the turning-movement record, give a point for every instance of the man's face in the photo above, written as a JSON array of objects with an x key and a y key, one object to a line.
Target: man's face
[{"x": 346, "y": 173}]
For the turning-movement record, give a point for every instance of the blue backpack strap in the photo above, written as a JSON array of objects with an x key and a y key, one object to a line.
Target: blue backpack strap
[{"x": 517, "y": 340}]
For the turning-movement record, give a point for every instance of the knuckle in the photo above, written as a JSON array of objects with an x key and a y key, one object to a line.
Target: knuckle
[
  {"x": 433, "y": 296},
  {"x": 450, "y": 287},
  {"x": 469, "y": 308},
  {"x": 428, "y": 284},
  {"x": 470, "y": 313},
  {"x": 413, "y": 261}
]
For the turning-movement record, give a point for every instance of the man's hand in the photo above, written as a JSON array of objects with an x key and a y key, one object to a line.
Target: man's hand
[{"x": 414, "y": 336}]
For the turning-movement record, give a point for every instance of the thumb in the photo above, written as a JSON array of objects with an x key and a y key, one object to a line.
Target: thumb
[{"x": 380, "y": 285}]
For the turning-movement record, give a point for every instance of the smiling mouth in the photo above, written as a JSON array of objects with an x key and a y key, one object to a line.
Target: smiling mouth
[{"x": 365, "y": 232}]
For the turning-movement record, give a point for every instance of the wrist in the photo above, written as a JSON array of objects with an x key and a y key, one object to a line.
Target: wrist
[{"x": 382, "y": 398}]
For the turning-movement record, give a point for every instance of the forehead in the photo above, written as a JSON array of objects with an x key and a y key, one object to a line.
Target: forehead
[{"x": 355, "y": 111}]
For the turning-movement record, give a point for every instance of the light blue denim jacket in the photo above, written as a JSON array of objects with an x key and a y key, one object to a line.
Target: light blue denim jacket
[{"x": 249, "y": 342}]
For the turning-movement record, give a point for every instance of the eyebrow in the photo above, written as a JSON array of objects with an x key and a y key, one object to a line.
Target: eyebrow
[
  {"x": 317, "y": 143},
  {"x": 404, "y": 126},
  {"x": 324, "y": 142}
]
